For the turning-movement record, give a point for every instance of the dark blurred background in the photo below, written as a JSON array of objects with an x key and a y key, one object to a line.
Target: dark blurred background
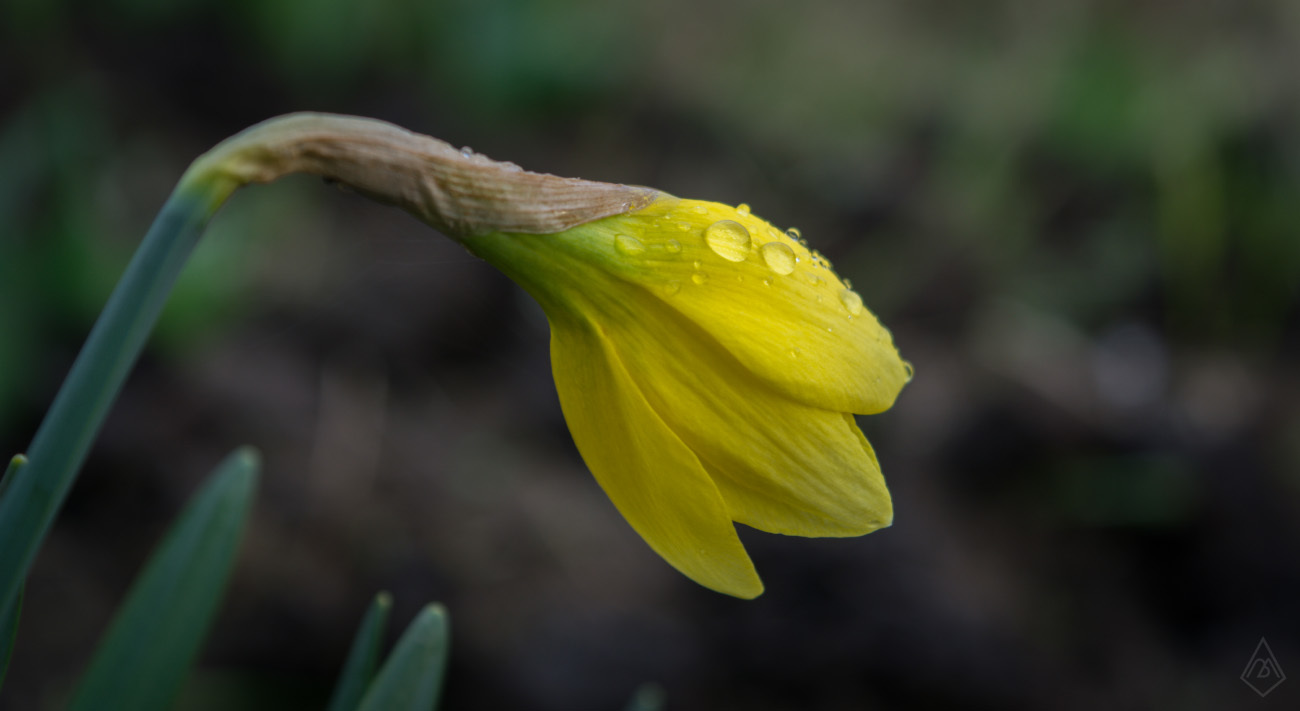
[{"x": 1078, "y": 217}]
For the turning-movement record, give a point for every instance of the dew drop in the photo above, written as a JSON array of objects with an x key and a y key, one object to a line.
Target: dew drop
[
  {"x": 672, "y": 287},
  {"x": 794, "y": 352},
  {"x": 852, "y": 302},
  {"x": 742, "y": 208},
  {"x": 684, "y": 226},
  {"x": 697, "y": 264},
  {"x": 699, "y": 209},
  {"x": 767, "y": 282},
  {"x": 631, "y": 246},
  {"x": 830, "y": 329},
  {"x": 794, "y": 234},
  {"x": 729, "y": 239},
  {"x": 699, "y": 278},
  {"x": 779, "y": 257},
  {"x": 848, "y": 284},
  {"x": 673, "y": 246},
  {"x": 814, "y": 279},
  {"x": 910, "y": 370}
]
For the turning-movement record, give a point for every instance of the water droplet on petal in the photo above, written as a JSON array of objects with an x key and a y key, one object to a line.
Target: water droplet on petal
[
  {"x": 814, "y": 279},
  {"x": 767, "y": 282},
  {"x": 794, "y": 234},
  {"x": 794, "y": 352},
  {"x": 697, "y": 264},
  {"x": 848, "y": 284},
  {"x": 466, "y": 151},
  {"x": 699, "y": 278},
  {"x": 684, "y": 226},
  {"x": 852, "y": 302},
  {"x": 779, "y": 257},
  {"x": 673, "y": 287},
  {"x": 742, "y": 208},
  {"x": 699, "y": 209},
  {"x": 673, "y": 246},
  {"x": 910, "y": 370},
  {"x": 631, "y": 246},
  {"x": 729, "y": 239}
]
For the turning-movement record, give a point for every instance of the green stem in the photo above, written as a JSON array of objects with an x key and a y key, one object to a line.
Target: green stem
[
  {"x": 456, "y": 193},
  {"x": 35, "y": 493}
]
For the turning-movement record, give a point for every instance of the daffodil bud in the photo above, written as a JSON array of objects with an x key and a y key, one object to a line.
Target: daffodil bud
[{"x": 708, "y": 364}]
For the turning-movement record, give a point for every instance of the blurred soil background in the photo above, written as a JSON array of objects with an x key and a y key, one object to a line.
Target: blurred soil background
[{"x": 1081, "y": 220}]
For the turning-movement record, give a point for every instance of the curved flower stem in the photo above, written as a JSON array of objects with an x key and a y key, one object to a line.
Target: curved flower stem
[
  {"x": 35, "y": 492},
  {"x": 456, "y": 191}
]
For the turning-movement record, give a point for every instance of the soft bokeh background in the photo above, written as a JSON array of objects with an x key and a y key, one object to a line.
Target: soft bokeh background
[{"x": 1080, "y": 218}]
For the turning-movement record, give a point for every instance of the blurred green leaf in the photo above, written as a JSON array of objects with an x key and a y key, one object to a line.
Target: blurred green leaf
[
  {"x": 18, "y": 462},
  {"x": 363, "y": 660},
  {"x": 412, "y": 676},
  {"x": 1096, "y": 122},
  {"x": 647, "y": 697},
  {"x": 156, "y": 634}
]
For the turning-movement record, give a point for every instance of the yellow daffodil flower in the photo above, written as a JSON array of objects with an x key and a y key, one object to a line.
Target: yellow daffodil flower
[{"x": 708, "y": 364}]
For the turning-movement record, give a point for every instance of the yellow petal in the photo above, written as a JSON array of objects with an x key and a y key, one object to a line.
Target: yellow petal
[
  {"x": 773, "y": 304},
  {"x": 782, "y": 466},
  {"x": 654, "y": 480}
]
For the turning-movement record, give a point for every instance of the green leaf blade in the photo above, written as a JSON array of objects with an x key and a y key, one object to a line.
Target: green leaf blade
[
  {"x": 146, "y": 653},
  {"x": 363, "y": 659},
  {"x": 411, "y": 679}
]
